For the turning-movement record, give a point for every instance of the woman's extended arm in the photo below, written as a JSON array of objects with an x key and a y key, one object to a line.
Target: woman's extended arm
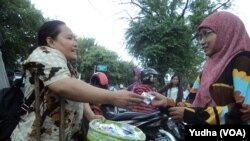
[{"x": 77, "y": 90}]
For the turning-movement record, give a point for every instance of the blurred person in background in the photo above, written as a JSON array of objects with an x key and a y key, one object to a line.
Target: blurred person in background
[
  {"x": 174, "y": 89},
  {"x": 137, "y": 78}
]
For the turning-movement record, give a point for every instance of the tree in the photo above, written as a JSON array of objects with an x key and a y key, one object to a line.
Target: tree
[
  {"x": 125, "y": 72},
  {"x": 162, "y": 35},
  {"x": 90, "y": 55},
  {"x": 19, "y": 21}
]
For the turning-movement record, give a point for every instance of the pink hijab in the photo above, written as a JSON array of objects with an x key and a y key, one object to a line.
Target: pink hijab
[{"x": 232, "y": 38}]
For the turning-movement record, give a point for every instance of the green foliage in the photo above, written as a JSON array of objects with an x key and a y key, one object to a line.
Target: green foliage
[
  {"x": 90, "y": 55},
  {"x": 19, "y": 21},
  {"x": 162, "y": 35}
]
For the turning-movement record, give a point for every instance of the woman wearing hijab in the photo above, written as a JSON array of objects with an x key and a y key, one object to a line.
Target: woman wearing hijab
[{"x": 223, "y": 96}]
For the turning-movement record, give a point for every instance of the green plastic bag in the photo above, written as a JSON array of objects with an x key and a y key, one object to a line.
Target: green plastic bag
[{"x": 108, "y": 130}]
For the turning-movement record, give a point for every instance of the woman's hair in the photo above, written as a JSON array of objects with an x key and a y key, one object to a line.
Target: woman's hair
[
  {"x": 179, "y": 83},
  {"x": 48, "y": 29}
]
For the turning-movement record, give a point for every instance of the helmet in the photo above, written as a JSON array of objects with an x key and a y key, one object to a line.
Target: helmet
[
  {"x": 147, "y": 74},
  {"x": 99, "y": 79}
]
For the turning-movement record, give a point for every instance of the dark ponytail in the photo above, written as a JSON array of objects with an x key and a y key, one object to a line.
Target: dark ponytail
[{"x": 48, "y": 29}]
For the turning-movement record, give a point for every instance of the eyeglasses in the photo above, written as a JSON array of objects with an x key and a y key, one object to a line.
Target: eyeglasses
[{"x": 203, "y": 35}]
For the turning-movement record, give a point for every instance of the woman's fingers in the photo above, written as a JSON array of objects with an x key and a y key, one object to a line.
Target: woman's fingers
[
  {"x": 176, "y": 113},
  {"x": 136, "y": 99}
]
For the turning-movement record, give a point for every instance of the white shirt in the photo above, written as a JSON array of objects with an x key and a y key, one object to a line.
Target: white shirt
[
  {"x": 185, "y": 94},
  {"x": 172, "y": 93}
]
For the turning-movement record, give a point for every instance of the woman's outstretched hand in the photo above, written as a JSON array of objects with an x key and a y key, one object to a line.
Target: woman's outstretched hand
[
  {"x": 126, "y": 99},
  {"x": 161, "y": 100}
]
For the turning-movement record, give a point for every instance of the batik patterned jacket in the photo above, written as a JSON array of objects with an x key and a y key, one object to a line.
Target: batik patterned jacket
[{"x": 52, "y": 66}]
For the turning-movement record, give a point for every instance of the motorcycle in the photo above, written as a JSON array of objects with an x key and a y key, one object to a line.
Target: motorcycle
[{"x": 157, "y": 126}]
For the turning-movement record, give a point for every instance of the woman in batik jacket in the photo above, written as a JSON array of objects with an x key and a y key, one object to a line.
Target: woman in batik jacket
[{"x": 57, "y": 47}]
